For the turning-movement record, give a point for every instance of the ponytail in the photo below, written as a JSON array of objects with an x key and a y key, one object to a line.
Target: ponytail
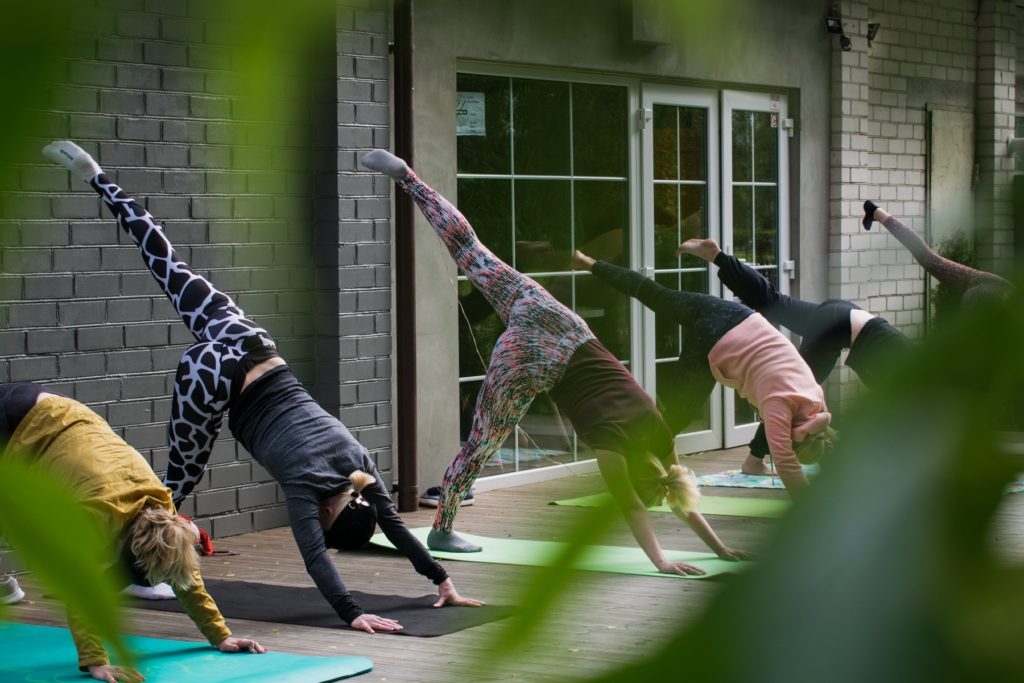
[{"x": 679, "y": 487}]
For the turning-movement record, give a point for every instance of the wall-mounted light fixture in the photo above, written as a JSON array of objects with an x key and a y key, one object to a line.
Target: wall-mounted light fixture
[
  {"x": 873, "y": 32},
  {"x": 834, "y": 24}
]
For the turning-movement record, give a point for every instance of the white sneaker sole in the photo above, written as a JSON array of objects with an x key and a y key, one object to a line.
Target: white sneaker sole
[{"x": 16, "y": 596}]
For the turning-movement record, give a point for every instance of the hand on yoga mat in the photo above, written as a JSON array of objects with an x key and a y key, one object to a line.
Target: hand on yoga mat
[
  {"x": 116, "y": 674},
  {"x": 447, "y": 595},
  {"x": 734, "y": 555},
  {"x": 683, "y": 568},
  {"x": 240, "y": 645},
  {"x": 369, "y": 622}
]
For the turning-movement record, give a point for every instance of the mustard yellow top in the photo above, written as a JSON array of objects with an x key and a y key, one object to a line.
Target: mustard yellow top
[{"x": 114, "y": 481}]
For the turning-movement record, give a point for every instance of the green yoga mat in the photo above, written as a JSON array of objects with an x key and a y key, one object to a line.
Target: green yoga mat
[
  {"x": 45, "y": 653},
  {"x": 729, "y": 506},
  {"x": 598, "y": 558}
]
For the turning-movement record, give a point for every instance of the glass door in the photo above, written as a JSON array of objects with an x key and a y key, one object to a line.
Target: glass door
[
  {"x": 680, "y": 201},
  {"x": 755, "y": 210}
]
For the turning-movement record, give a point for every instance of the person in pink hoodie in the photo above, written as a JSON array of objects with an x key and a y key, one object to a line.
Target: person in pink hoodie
[{"x": 727, "y": 342}]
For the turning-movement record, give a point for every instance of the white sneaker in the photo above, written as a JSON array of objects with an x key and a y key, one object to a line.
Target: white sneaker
[
  {"x": 161, "y": 591},
  {"x": 10, "y": 591}
]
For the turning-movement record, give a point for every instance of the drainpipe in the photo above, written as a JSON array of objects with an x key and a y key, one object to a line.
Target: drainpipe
[{"x": 405, "y": 266}]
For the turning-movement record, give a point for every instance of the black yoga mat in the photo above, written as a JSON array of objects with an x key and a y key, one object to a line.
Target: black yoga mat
[{"x": 304, "y": 606}]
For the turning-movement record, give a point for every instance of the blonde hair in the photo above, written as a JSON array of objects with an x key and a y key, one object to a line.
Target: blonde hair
[
  {"x": 676, "y": 486},
  {"x": 810, "y": 450},
  {"x": 165, "y": 547},
  {"x": 359, "y": 481}
]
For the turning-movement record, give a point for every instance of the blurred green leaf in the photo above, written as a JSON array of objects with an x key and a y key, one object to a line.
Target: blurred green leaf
[{"x": 64, "y": 545}]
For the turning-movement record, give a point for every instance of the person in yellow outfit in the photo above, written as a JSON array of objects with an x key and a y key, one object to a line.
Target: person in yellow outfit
[{"x": 114, "y": 481}]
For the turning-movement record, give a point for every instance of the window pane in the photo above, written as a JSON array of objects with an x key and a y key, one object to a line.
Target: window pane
[
  {"x": 666, "y": 331},
  {"x": 766, "y": 225},
  {"x": 693, "y": 141},
  {"x": 667, "y": 377},
  {"x": 741, "y": 147},
  {"x": 487, "y": 205},
  {"x": 541, "y": 120},
  {"x": 606, "y": 311},
  {"x": 600, "y": 134},
  {"x": 742, "y": 215},
  {"x": 479, "y": 328},
  {"x": 693, "y": 207},
  {"x": 766, "y": 148},
  {"x": 545, "y": 438},
  {"x": 666, "y": 225},
  {"x": 602, "y": 220},
  {"x": 491, "y": 152},
  {"x": 666, "y": 163},
  {"x": 543, "y": 216},
  {"x": 743, "y": 412}
]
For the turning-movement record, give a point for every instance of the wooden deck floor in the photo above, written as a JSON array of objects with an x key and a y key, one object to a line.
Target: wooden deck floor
[{"x": 619, "y": 617}]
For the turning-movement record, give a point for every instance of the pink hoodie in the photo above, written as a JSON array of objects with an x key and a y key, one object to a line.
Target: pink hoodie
[{"x": 765, "y": 368}]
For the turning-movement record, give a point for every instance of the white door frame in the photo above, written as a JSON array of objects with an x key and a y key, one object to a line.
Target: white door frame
[
  {"x": 777, "y": 103},
  {"x": 652, "y": 94}
]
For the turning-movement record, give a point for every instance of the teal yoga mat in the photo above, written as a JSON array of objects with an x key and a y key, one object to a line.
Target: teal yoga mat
[
  {"x": 45, "y": 653},
  {"x": 598, "y": 558},
  {"x": 729, "y": 506}
]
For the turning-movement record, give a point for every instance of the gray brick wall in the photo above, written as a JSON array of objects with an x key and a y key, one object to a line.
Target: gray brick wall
[{"x": 153, "y": 93}]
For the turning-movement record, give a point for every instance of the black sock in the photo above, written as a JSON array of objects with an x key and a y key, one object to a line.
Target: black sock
[{"x": 869, "y": 214}]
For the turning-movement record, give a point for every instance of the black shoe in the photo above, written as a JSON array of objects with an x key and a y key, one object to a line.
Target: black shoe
[{"x": 432, "y": 496}]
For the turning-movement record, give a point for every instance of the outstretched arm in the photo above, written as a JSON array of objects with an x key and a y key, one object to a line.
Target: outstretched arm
[
  {"x": 303, "y": 514},
  {"x": 410, "y": 546},
  {"x": 615, "y": 473}
]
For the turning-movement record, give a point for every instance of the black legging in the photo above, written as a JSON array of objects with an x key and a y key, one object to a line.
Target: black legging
[
  {"x": 824, "y": 328},
  {"x": 703, "y": 320}
]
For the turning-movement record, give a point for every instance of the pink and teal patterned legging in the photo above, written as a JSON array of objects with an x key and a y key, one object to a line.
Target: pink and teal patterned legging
[{"x": 529, "y": 357}]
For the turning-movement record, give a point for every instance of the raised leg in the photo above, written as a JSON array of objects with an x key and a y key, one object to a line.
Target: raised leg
[
  {"x": 942, "y": 269},
  {"x": 210, "y": 314},
  {"x": 202, "y": 390},
  {"x": 514, "y": 377}
]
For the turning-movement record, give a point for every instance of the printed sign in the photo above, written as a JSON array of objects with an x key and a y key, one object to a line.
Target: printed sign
[
  {"x": 775, "y": 120},
  {"x": 469, "y": 114}
]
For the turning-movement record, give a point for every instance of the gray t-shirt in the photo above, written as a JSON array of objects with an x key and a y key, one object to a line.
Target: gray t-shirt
[{"x": 311, "y": 454}]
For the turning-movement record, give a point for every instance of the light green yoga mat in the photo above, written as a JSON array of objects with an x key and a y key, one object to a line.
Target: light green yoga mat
[
  {"x": 41, "y": 654},
  {"x": 729, "y": 506},
  {"x": 598, "y": 558}
]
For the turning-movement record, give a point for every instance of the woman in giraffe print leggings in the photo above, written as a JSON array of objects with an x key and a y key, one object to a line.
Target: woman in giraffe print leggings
[
  {"x": 547, "y": 347},
  {"x": 333, "y": 491}
]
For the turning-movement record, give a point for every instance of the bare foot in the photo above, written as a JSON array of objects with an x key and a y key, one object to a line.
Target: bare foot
[
  {"x": 755, "y": 466},
  {"x": 581, "y": 261},
  {"x": 705, "y": 249}
]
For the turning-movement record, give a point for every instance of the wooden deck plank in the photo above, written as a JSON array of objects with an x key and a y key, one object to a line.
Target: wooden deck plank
[{"x": 612, "y": 621}]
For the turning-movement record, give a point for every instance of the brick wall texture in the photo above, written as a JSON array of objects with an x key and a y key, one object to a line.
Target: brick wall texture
[
  {"x": 154, "y": 91},
  {"x": 949, "y": 53}
]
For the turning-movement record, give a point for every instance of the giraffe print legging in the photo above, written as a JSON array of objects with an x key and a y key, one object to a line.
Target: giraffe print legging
[
  {"x": 205, "y": 381},
  {"x": 529, "y": 357}
]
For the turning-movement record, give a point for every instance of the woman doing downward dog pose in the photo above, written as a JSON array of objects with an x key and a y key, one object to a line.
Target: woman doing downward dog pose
[
  {"x": 728, "y": 342},
  {"x": 972, "y": 284},
  {"x": 826, "y": 329},
  {"x": 547, "y": 347},
  {"x": 113, "y": 480},
  {"x": 334, "y": 495}
]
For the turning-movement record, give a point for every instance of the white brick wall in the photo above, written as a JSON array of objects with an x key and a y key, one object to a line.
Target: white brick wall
[{"x": 925, "y": 53}]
